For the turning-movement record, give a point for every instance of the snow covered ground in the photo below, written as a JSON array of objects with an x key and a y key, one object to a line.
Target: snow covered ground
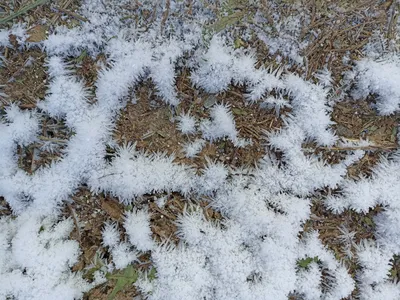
[{"x": 254, "y": 251}]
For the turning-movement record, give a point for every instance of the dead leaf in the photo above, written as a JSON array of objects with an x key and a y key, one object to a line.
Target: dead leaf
[
  {"x": 37, "y": 34},
  {"x": 238, "y": 111},
  {"x": 112, "y": 209}
]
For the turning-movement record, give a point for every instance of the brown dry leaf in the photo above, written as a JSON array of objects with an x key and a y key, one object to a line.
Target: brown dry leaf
[
  {"x": 113, "y": 209},
  {"x": 37, "y": 34}
]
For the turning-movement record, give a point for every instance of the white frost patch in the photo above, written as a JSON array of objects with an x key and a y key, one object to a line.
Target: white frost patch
[
  {"x": 221, "y": 125},
  {"x": 36, "y": 257},
  {"x": 308, "y": 282},
  {"x": 153, "y": 173},
  {"x": 380, "y": 78},
  {"x": 374, "y": 273},
  {"x": 111, "y": 235},
  {"x": 137, "y": 226},
  {"x": 4, "y": 38},
  {"x": 25, "y": 125},
  {"x": 340, "y": 282},
  {"x": 284, "y": 37},
  {"x": 375, "y": 262},
  {"x": 123, "y": 255},
  {"x": 366, "y": 193},
  {"x": 186, "y": 123},
  {"x": 221, "y": 65},
  {"x": 191, "y": 149}
]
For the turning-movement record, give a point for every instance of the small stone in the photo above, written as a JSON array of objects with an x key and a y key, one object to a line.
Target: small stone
[{"x": 210, "y": 101}]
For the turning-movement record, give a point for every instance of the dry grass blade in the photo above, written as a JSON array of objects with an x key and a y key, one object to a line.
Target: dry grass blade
[
  {"x": 227, "y": 21},
  {"x": 22, "y": 11}
]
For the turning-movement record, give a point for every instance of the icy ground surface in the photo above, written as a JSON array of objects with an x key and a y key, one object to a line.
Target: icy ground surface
[{"x": 253, "y": 253}]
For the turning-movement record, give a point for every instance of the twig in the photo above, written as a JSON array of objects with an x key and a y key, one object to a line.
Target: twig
[
  {"x": 111, "y": 174},
  {"x": 358, "y": 46},
  {"x": 27, "y": 106},
  {"x": 64, "y": 6},
  {"x": 165, "y": 14},
  {"x": 393, "y": 21},
  {"x": 167, "y": 215},
  {"x": 45, "y": 138},
  {"x": 236, "y": 94},
  {"x": 72, "y": 14},
  {"x": 73, "y": 213},
  {"x": 365, "y": 148}
]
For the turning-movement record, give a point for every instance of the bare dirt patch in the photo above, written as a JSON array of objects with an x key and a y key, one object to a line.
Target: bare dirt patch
[
  {"x": 24, "y": 77},
  {"x": 152, "y": 125}
]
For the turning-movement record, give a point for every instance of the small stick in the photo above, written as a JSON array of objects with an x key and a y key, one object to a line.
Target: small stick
[
  {"x": 75, "y": 222},
  {"x": 64, "y": 6},
  {"x": 366, "y": 148},
  {"x": 75, "y": 15},
  {"x": 165, "y": 14}
]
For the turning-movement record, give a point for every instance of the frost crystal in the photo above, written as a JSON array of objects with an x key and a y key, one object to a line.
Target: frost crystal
[
  {"x": 221, "y": 125},
  {"x": 4, "y": 38},
  {"x": 193, "y": 148},
  {"x": 110, "y": 235},
  {"x": 186, "y": 124}
]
